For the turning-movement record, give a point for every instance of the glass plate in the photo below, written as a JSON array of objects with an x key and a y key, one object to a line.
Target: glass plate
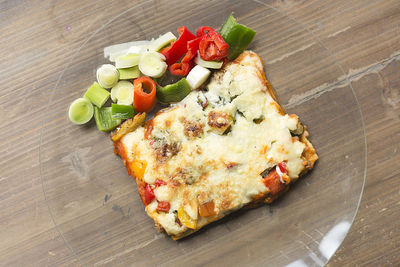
[{"x": 95, "y": 205}]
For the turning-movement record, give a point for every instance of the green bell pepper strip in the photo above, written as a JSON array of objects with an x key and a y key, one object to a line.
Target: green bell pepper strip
[
  {"x": 237, "y": 36},
  {"x": 122, "y": 112},
  {"x": 104, "y": 120},
  {"x": 173, "y": 92}
]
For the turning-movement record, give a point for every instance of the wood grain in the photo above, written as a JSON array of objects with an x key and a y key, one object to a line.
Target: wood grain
[{"x": 39, "y": 37}]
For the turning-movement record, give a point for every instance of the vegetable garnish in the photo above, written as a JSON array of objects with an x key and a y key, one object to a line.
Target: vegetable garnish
[
  {"x": 197, "y": 76},
  {"x": 144, "y": 94},
  {"x": 178, "y": 48},
  {"x": 208, "y": 64},
  {"x": 113, "y": 51},
  {"x": 181, "y": 68},
  {"x": 187, "y": 63},
  {"x": 152, "y": 64},
  {"x": 162, "y": 41},
  {"x": 122, "y": 93},
  {"x": 107, "y": 75},
  {"x": 129, "y": 73},
  {"x": 237, "y": 36},
  {"x": 122, "y": 111},
  {"x": 213, "y": 47},
  {"x": 175, "y": 92},
  {"x": 127, "y": 61},
  {"x": 104, "y": 120},
  {"x": 132, "y": 89},
  {"x": 80, "y": 111},
  {"x": 203, "y": 30},
  {"x": 97, "y": 94}
]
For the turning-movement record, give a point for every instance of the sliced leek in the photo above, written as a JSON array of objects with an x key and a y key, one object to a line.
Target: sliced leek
[
  {"x": 121, "y": 49},
  {"x": 207, "y": 64},
  {"x": 152, "y": 64},
  {"x": 129, "y": 73},
  {"x": 135, "y": 49},
  {"x": 97, "y": 94},
  {"x": 127, "y": 61},
  {"x": 122, "y": 93},
  {"x": 80, "y": 111},
  {"x": 162, "y": 41},
  {"x": 107, "y": 75},
  {"x": 197, "y": 76}
]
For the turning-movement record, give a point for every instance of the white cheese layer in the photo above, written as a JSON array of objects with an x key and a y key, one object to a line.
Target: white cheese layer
[{"x": 202, "y": 164}]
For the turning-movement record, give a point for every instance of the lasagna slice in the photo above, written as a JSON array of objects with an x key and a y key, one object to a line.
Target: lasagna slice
[{"x": 222, "y": 148}]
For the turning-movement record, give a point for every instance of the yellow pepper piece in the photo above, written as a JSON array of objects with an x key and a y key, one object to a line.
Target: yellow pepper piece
[
  {"x": 138, "y": 168},
  {"x": 185, "y": 219}
]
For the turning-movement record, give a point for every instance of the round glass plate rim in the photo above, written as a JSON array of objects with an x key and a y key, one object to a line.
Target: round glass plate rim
[{"x": 301, "y": 25}]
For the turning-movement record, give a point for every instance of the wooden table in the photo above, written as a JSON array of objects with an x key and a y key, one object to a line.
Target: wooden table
[{"x": 364, "y": 36}]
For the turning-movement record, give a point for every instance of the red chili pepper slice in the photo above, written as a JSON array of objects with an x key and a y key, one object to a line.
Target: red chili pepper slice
[
  {"x": 163, "y": 206},
  {"x": 192, "y": 47},
  {"x": 187, "y": 63},
  {"x": 203, "y": 30},
  {"x": 181, "y": 68},
  {"x": 148, "y": 194},
  {"x": 179, "y": 47},
  {"x": 213, "y": 47}
]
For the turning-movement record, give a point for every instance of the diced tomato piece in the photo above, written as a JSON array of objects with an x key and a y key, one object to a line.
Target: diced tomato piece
[
  {"x": 207, "y": 209},
  {"x": 163, "y": 206},
  {"x": 282, "y": 167},
  {"x": 273, "y": 182},
  {"x": 159, "y": 182}
]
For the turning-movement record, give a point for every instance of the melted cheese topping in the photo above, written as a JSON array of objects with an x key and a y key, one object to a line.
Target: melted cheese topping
[{"x": 216, "y": 153}]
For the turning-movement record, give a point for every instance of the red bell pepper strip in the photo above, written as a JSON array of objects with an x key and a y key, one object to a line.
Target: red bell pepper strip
[
  {"x": 203, "y": 30},
  {"x": 179, "y": 47},
  {"x": 163, "y": 206},
  {"x": 213, "y": 47},
  {"x": 148, "y": 194}
]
